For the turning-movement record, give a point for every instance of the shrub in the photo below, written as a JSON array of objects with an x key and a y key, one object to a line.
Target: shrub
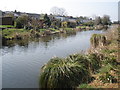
[
  {"x": 21, "y": 21},
  {"x": 94, "y": 62},
  {"x": 63, "y": 73}
]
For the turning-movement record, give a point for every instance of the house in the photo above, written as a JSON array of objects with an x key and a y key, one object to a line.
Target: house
[
  {"x": 33, "y": 15},
  {"x": 1, "y": 13},
  {"x": 62, "y": 18},
  {"x": 6, "y": 21},
  {"x": 83, "y": 20},
  {"x": 74, "y": 20}
]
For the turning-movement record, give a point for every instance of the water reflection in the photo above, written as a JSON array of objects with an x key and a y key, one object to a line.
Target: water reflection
[{"x": 26, "y": 41}]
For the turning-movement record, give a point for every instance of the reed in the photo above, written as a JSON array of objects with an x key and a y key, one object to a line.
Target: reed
[{"x": 63, "y": 73}]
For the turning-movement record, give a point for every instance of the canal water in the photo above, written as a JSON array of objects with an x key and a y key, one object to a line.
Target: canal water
[{"x": 22, "y": 60}]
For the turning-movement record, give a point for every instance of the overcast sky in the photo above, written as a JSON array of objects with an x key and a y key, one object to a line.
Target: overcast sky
[{"x": 89, "y": 8}]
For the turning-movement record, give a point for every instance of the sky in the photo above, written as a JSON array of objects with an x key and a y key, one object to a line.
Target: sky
[{"x": 90, "y": 8}]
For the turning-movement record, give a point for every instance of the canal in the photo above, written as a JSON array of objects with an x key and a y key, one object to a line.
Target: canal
[{"x": 22, "y": 60}]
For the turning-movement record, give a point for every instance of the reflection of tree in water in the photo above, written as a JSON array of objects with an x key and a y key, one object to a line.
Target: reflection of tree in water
[
  {"x": 7, "y": 43},
  {"x": 46, "y": 40},
  {"x": 11, "y": 43},
  {"x": 63, "y": 35}
]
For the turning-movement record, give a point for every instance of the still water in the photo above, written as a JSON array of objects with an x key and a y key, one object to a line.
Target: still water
[{"x": 21, "y": 61}]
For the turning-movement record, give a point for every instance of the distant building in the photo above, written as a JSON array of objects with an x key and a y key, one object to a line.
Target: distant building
[
  {"x": 41, "y": 17},
  {"x": 37, "y": 16},
  {"x": 62, "y": 18},
  {"x": 6, "y": 21},
  {"x": 74, "y": 20}
]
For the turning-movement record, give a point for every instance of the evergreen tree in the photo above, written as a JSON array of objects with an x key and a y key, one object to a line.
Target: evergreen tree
[{"x": 47, "y": 20}]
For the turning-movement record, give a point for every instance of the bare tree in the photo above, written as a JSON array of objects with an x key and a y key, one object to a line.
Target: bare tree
[{"x": 58, "y": 11}]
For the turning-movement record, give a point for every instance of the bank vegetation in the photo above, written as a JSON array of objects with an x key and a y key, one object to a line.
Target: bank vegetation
[{"x": 98, "y": 68}]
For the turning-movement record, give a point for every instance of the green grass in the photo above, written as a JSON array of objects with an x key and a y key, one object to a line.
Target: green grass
[
  {"x": 52, "y": 29},
  {"x": 81, "y": 27},
  {"x": 42, "y": 29},
  {"x": 105, "y": 69},
  {"x": 6, "y": 26},
  {"x": 68, "y": 28},
  {"x": 108, "y": 78},
  {"x": 85, "y": 86},
  {"x": 109, "y": 51},
  {"x": 9, "y": 33}
]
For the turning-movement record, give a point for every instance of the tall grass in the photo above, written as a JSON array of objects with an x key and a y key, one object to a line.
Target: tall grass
[
  {"x": 98, "y": 40},
  {"x": 94, "y": 62},
  {"x": 69, "y": 72},
  {"x": 63, "y": 73}
]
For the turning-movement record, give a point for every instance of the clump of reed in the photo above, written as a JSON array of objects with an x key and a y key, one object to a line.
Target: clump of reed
[
  {"x": 64, "y": 73},
  {"x": 98, "y": 40},
  {"x": 68, "y": 72}
]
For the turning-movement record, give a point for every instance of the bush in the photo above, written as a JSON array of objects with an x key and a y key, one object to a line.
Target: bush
[
  {"x": 63, "y": 73},
  {"x": 94, "y": 62},
  {"x": 21, "y": 21}
]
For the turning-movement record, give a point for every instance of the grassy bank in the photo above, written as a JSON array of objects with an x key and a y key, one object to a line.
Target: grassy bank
[
  {"x": 107, "y": 77},
  {"x": 99, "y": 68},
  {"x": 10, "y": 32},
  {"x": 19, "y": 34},
  {"x": 6, "y": 26}
]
